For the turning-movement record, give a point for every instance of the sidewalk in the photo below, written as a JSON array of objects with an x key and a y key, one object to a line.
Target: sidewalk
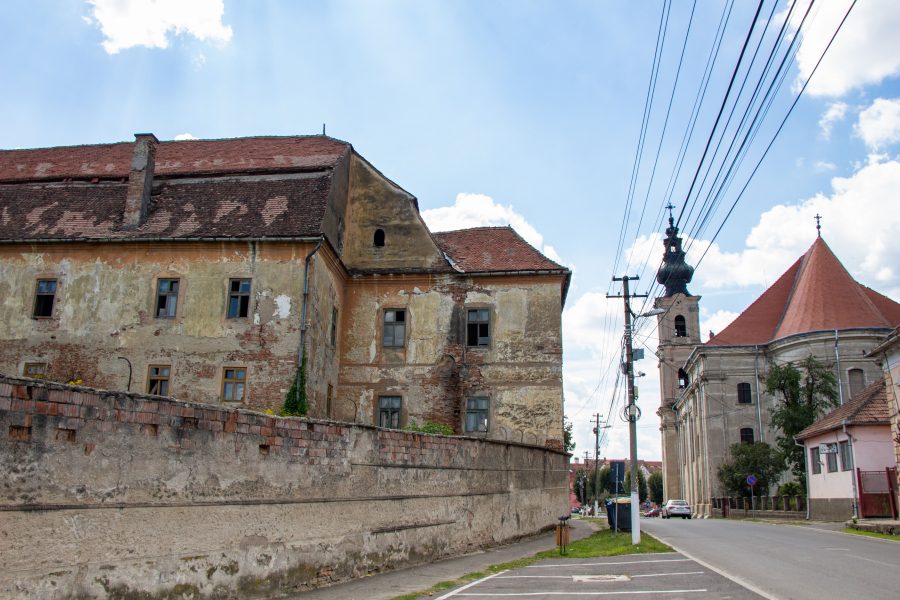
[{"x": 396, "y": 583}]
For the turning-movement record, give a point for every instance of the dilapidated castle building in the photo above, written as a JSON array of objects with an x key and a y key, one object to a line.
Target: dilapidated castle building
[
  {"x": 212, "y": 270},
  {"x": 714, "y": 393}
]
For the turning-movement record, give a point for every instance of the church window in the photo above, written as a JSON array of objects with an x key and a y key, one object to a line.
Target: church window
[
  {"x": 477, "y": 411},
  {"x": 743, "y": 392},
  {"x": 44, "y": 295},
  {"x": 682, "y": 378},
  {"x": 680, "y": 327},
  {"x": 746, "y": 435},
  {"x": 389, "y": 412},
  {"x": 394, "y": 328},
  {"x": 857, "y": 381},
  {"x": 378, "y": 240},
  {"x": 478, "y": 327}
]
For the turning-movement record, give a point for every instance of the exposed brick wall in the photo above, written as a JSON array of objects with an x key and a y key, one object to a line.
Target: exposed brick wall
[{"x": 142, "y": 491}]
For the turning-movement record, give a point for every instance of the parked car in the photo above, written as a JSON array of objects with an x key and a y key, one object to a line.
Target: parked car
[
  {"x": 653, "y": 512},
  {"x": 675, "y": 508}
]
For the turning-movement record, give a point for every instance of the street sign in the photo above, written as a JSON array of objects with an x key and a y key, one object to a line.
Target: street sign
[
  {"x": 751, "y": 480},
  {"x": 828, "y": 448}
]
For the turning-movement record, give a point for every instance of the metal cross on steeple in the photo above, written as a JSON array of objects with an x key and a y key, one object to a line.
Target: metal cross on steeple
[{"x": 818, "y": 224}]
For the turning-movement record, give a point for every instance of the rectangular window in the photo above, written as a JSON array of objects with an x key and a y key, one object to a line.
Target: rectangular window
[
  {"x": 35, "y": 370},
  {"x": 478, "y": 327},
  {"x": 846, "y": 457},
  {"x": 389, "y": 412},
  {"x": 234, "y": 384},
  {"x": 831, "y": 462},
  {"x": 158, "y": 380},
  {"x": 334, "y": 318},
  {"x": 477, "y": 412},
  {"x": 238, "y": 298},
  {"x": 743, "y": 390},
  {"x": 815, "y": 461},
  {"x": 44, "y": 295},
  {"x": 394, "y": 328},
  {"x": 166, "y": 298}
]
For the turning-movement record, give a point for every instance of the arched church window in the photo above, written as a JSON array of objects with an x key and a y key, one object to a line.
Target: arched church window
[
  {"x": 857, "y": 381},
  {"x": 682, "y": 378},
  {"x": 743, "y": 391},
  {"x": 680, "y": 327},
  {"x": 746, "y": 435},
  {"x": 379, "y": 238}
]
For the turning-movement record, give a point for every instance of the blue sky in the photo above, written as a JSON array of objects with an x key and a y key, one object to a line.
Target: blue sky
[{"x": 495, "y": 112}]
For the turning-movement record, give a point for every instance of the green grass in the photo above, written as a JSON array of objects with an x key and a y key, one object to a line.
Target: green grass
[
  {"x": 601, "y": 543},
  {"x": 874, "y": 534}
]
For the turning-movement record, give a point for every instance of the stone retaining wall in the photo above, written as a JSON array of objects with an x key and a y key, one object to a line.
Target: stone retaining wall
[{"x": 118, "y": 495}]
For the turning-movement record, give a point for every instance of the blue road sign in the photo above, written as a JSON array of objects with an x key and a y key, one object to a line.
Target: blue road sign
[{"x": 751, "y": 480}]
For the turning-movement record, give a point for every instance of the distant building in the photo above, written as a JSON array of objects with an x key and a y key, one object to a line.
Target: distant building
[
  {"x": 211, "y": 270},
  {"x": 889, "y": 354},
  {"x": 713, "y": 393}
]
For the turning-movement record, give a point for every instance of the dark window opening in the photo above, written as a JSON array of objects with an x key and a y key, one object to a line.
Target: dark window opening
[
  {"x": 238, "y": 298},
  {"x": 394, "y": 328},
  {"x": 334, "y": 318},
  {"x": 389, "y": 412},
  {"x": 680, "y": 327},
  {"x": 478, "y": 327},
  {"x": 746, "y": 435},
  {"x": 379, "y": 238},
  {"x": 743, "y": 392},
  {"x": 166, "y": 298},
  {"x": 234, "y": 384},
  {"x": 158, "y": 380},
  {"x": 45, "y": 294},
  {"x": 682, "y": 379},
  {"x": 477, "y": 412},
  {"x": 329, "y": 400}
]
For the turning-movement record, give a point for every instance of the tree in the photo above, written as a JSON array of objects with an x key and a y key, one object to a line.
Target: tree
[
  {"x": 760, "y": 460},
  {"x": 642, "y": 485},
  {"x": 655, "y": 485},
  {"x": 806, "y": 392},
  {"x": 568, "y": 439}
]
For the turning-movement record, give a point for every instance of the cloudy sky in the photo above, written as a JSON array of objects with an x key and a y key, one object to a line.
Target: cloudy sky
[{"x": 519, "y": 112}]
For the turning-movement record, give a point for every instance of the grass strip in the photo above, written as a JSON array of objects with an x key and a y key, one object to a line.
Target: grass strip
[
  {"x": 874, "y": 534},
  {"x": 600, "y": 543}
]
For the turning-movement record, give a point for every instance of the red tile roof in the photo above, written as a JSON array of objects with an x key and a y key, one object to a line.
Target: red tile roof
[
  {"x": 868, "y": 407},
  {"x": 815, "y": 294},
  {"x": 188, "y": 157},
  {"x": 491, "y": 250}
]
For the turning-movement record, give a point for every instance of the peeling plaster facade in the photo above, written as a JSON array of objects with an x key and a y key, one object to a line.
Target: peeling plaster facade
[{"x": 301, "y": 219}]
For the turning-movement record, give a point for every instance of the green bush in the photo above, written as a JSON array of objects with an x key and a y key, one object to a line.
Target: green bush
[
  {"x": 295, "y": 402},
  {"x": 791, "y": 488},
  {"x": 430, "y": 427}
]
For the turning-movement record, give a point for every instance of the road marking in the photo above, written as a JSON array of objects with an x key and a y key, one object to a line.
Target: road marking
[
  {"x": 877, "y": 562},
  {"x": 611, "y": 576},
  {"x": 606, "y": 564},
  {"x": 621, "y": 593},
  {"x": 600, "y": 578},
  {"x": 468, "y": 585},
  {"x": 668, "y": 574},
  {"x": 841, "y": 549}
]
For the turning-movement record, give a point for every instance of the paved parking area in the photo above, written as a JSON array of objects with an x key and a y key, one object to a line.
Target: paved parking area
[{"x": 669, "y": 575}]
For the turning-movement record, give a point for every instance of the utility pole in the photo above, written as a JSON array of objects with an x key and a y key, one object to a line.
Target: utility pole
[
  {"x": 596, "y": 460},
  {"x": 631, "y": 411}
]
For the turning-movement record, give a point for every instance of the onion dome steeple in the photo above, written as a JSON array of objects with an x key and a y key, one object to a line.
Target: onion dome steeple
[{"x": 674, "y": 273}]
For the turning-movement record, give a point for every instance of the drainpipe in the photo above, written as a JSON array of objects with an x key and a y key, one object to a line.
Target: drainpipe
[
  {"x": 805, "y": 468},
  {"x": 852, "y": 470},
  {"x": 303, "y": 308},
  {"x": 762, "y": 436},
  {"x": 837, "y": 358}
]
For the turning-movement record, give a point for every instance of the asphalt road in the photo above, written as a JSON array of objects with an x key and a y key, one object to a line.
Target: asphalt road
[{"x": 787, "y": 561}]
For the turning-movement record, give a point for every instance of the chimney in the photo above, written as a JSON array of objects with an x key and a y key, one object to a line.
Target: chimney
[{"x": 140, "y": 179}]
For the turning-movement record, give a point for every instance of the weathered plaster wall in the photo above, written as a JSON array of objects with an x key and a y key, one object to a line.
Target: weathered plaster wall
[
  {"x": 106, "y": 494},
  {"x": 434, "y": 372},
  {"x": 105, "y": 304}
]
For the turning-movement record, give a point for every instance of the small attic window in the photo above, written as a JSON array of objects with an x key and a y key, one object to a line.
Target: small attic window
[{"x": 378, "y": 240}]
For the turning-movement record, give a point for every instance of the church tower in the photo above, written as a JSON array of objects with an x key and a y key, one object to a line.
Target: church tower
[{"x": 679, "y": 332}]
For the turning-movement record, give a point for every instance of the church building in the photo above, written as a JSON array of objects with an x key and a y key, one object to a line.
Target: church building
[{"x": 713, "y": 394}]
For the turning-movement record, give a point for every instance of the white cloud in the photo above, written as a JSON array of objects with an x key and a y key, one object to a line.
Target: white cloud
[
  {"x": 479, "y": 210},
  {"x": 129, "y": 23},
  {"x": 835, "y": 112},
  {"x": 714, "y": 323},
  {"x": 821, "y": 166},
  {"x": 185, "y": 136},
  {"x": 866, "y": 51},
  {"x": 879, "y": 125}
]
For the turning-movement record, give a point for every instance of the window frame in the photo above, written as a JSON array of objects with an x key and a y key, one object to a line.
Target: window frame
[
  {"x": 680, "y": 325},
  {"x": 169, "y": 295},
  {"x": 239, "y": 295},
  {"x": 41, "y": 375},
  {"x": 476, "y": 411},
  {"x": 392, "y": 326},
  {"x": 478, "y": 323},
  {"x": 334, "y": 319},
  {"x": 831, "y": 462},
  {"x": 845, "y": 450},
  {"x": 234, "y": 381},
  {"x": 38, "y": 294},
  {"x": 164, "y": 380},
  {"x": 394, "y": 414},
  {"x": 749, "y": 393},
  {"x": 815, "y": 460},
  {"x": 752, "y": 436}
]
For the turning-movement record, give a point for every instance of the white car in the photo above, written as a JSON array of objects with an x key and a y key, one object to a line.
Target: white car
[{"x": 676, "y": 508}]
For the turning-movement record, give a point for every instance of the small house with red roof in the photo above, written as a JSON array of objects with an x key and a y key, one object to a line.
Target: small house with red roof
[
  {"x": 714, "y": 393},
  {"x": 222, "y": 271}
]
